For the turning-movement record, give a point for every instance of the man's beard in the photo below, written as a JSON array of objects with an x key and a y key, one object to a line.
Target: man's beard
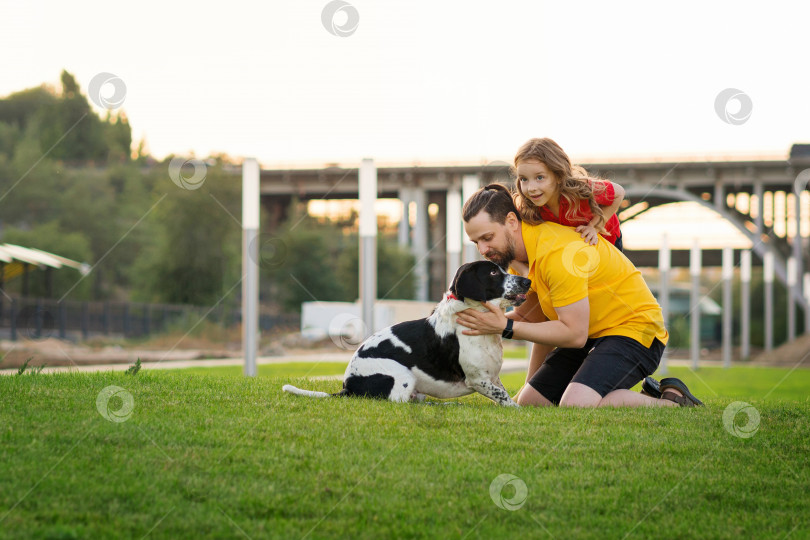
[{"x": 503, "y": 258}]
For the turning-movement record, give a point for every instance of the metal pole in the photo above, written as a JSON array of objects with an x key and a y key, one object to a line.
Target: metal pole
[
  {"x": 664, "y": 265},
  {"x": 694, "y": 302},
  {"x": 420, "y": 244},
  {"x": 767, "y": 271},
  {"x": 368, "y": 243},
  {"x": 13, "y": 320},
  {"x": 807, "y": 303},
  {"x": 250, "y": 263},
  {"x": 453, "y": 231},
  {"x": 2, "y": 286},
  {"x": 404, "y": 230},
  {"x": 797, "y": 238},
  {"x": 728, "y": 273},
  {"x": 745, "y": 301},
  {"x": 470, "y": 183},
  {"x": 792, "y": 280}
]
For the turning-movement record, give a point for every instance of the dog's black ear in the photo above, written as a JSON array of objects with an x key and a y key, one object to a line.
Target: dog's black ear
[
  {"x": 463, "y": 269},
  {"x": 467, "y": 285}
]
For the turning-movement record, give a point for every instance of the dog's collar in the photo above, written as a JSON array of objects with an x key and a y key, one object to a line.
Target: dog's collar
[{"x": 451, "y": 296}]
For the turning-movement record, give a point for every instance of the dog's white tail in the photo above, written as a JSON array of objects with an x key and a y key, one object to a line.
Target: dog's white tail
[{"x": 310, "y": 393}]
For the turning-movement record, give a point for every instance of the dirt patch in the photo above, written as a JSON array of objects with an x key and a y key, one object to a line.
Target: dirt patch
[
  {"x": 797, "y": 352},
  {"x": 55, "y": 352}
]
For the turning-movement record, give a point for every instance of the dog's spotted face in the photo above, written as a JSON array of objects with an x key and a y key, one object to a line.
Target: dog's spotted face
[{"x": 484, "y": 281}]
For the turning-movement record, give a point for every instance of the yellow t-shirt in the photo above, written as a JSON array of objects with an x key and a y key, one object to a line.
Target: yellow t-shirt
[{"x": 565, "y": 269}]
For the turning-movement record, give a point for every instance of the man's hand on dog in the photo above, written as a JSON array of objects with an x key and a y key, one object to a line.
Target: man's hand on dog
[{"x": 481, "y": 322}]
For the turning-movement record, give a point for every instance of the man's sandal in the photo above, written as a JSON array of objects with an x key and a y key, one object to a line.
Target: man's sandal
[
  {"x": 651, "y": 387},
  {"x": 686, "y": 400}
]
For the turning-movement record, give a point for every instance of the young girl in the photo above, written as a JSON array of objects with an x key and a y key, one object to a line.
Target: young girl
[{"x": 550, "y": 188}]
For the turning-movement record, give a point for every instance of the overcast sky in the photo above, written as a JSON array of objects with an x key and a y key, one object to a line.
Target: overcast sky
[{"x": 422, "y": 81}]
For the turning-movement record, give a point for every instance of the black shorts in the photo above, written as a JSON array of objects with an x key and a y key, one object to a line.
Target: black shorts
[
  {"x": 604, "y": 364},
  {"x": 619, "y": 244}
]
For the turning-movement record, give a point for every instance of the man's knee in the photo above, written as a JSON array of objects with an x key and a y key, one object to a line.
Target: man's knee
[
  {"x": 579, "y": 395},
  {"x": 529, "y": 396}
]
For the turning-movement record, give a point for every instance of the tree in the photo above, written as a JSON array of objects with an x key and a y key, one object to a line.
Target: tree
[
  {"x": 395, "y": 276},
  {"x": 298, "y": 263},
  {"x": 20, "y": 108},
  {"x": 64, "y": 125},
  {"x": 193, "y": 253},
  {"x": 70, "y": 88},
  {"x": 118, "y": 135}
]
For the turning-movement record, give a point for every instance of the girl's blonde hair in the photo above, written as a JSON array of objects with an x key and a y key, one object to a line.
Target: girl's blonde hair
[{"x": 574, "y": 183}]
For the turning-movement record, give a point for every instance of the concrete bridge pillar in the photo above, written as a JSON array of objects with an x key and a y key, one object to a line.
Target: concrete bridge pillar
[
  {"x": 695, "y": 265},
  {"x": 792, "y": 282},
  {"x": 664, "y": 265},
  {"x": 745, "y": 304},
  {"x": 454, "y": 232},
  {"x": 719, "y": 201},
  {"x": 767, "y": 273},
  {"x": 807, "y": 302},
  {"x": 798, "y": 256},
  {"x": 759, "y": 192},
  {"x": 404, "y": 231},
  {"x": 420, "y": 243},
  {"x": 470, "y": 183}
]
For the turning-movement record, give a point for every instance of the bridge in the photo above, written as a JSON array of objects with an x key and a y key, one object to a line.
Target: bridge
[{"x": 767, "y": 201}]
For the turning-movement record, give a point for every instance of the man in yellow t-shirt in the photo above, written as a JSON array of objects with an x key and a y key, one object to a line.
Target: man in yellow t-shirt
[{"x": 596, "y": 327}]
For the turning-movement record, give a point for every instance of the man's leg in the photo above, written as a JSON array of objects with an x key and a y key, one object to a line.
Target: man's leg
[
  {"x": 628, "y": 398},
  {"x": 611, "y": 368},
  {"x": 579, "y": 395},
  {"x": 548, "y": 383},
  {"x": 530, "y": 396}
]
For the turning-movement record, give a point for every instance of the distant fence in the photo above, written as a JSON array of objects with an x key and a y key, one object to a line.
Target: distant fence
[{"x": 38, "y": 318}]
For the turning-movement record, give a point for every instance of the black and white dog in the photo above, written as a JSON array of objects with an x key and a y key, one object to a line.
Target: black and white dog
[{"x": 431, "y": 356}]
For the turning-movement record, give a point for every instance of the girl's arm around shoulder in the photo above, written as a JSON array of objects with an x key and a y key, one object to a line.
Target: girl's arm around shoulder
[
  {"x": 589, "y": 232},
  {"x": 618, "y": 195}
]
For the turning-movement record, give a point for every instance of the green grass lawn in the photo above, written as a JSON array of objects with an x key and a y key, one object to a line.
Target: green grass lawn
[
  {"x": 287, "y": 369},
  {"x": 222, "y": 456},
  {"x": 738, "y": 383}
]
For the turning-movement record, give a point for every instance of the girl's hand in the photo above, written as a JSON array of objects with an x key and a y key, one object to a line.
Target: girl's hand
[
  {"x": 481, "y": 322},
  {"x": 589, "y": 234}
]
